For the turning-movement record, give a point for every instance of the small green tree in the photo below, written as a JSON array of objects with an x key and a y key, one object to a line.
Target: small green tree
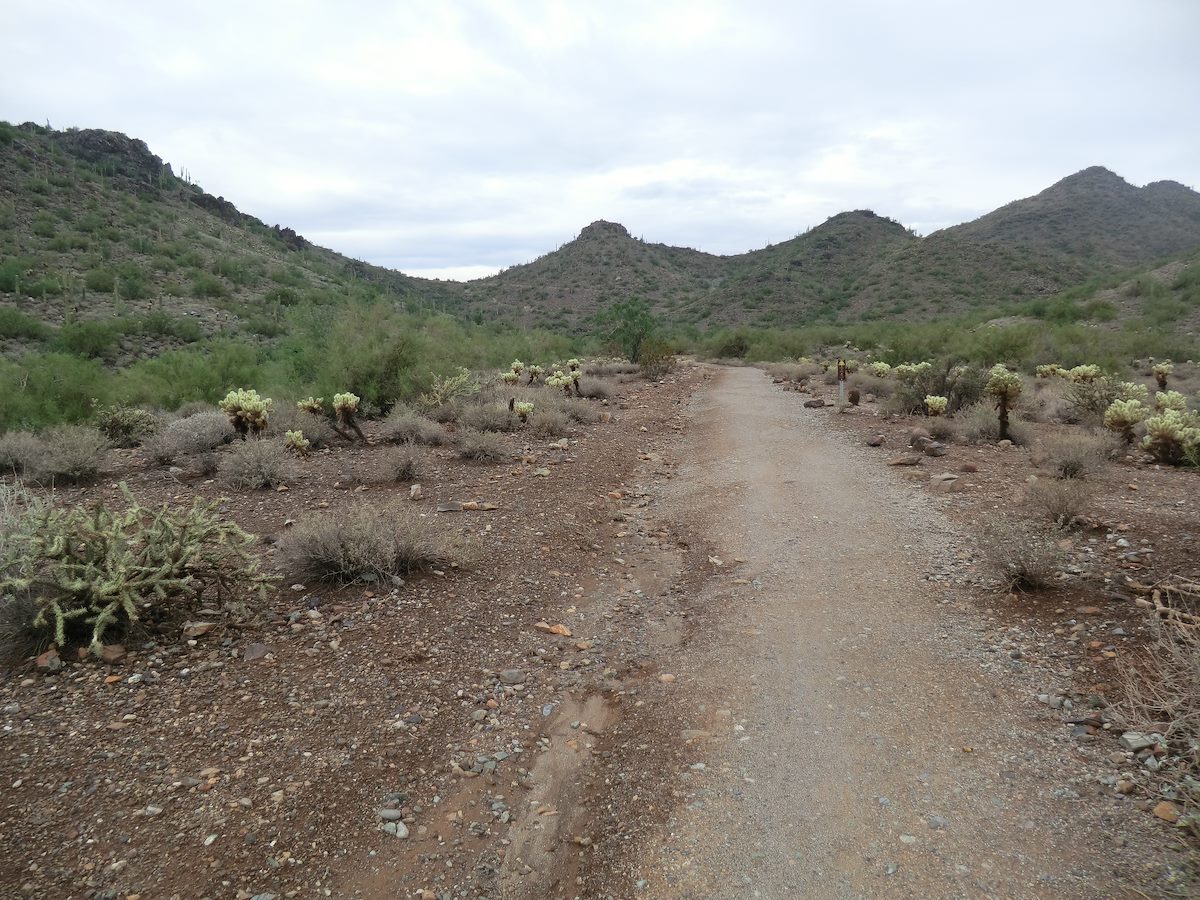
[{"x": 626, "y": 326}]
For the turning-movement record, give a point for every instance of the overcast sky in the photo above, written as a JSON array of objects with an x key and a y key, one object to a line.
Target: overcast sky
[{"x": 451, "y": 139}]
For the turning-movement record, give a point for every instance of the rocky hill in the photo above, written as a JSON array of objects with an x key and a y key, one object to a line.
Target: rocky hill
[{"x": 93, "y": 225}]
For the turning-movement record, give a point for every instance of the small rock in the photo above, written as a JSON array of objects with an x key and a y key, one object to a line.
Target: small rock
[
  {"x": 512, "y": 676},
  {"x": 255, "y": 652},
  {"x": 666, "y": 678},
  {"x": 875, "y": 440},
  {"x": 905, "y": 461},
  {"x": 298, "y": 588},
  {"x": 935, "y": 449},
  {"x": 390, "y": 815},
  {"x": 1167, "y": 811},
  {"x": 415, "y": 492},
  {"x": 815, "y": 403},
  {"x": 968, "y": 467},
  {"x": 452, "y": 506},
  {"x": 398, "y": 829},
  {"x": 48, "y": 662},
  {"x": 112, "y": 653}
]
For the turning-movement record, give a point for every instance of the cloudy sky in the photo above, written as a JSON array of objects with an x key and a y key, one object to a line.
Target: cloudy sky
[{"x": 451, "y": 139}]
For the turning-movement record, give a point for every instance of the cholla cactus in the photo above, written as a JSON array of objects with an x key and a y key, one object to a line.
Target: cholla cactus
[
  {"x": 911, "y": 371},
  {"x": 510, "y": 377},
  {"x": 851, "y": 365},
  {"x": 535, "y": 372},
  {"x": 246, "y": 410},
  {"x": 1161, "y": 371},
  {"x": 880, "y": 369},
  {"x": 560, "y": 380},
  {"x": 1164, "y": 400},
  {"x": 517, "y": 367},
  {"x": 313, "y": 405},
  {"x": 1123, "y": 415},
  {"x": 1084, "y": 374},
  {"x": 297, "y": 442},
  {"x": 1173, "y": 437},
  {"x": 345, "y": 408},
  {"x": 1005, "y": 387},
  {"x": 1050, "y": 370},
  {"x": 935, "y": 405},
  {"x": 522, "y": 408},
  {"x": 448, "y": 388},
  {"x": 1131, "y": 390},
  {"x": 573, "y": 364}
]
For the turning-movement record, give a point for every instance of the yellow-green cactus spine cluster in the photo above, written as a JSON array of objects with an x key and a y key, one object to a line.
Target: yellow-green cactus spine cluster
[
  {"x": 246, "y": 410},
  {"x": 880, "y": 369},
  {"x": 345, "y": 408},
  {"x": 313, "y": 405},
  {"x": 1050, "y": 370},
  {"x": 911, "y": 371},
  {"x": 1122, "y": 416},
  {"x": 1131, "y": 390},
  {"x": 297, "y": 442},
  {"x": 1084, "y": 374},
  {"x": 517, "y": 367},
  {"x": 510, "y": 377},
  {"x": 1173, "y": 437},
  {"x": 560, "y": 379},
  {"x": 1164, "y": 400},
  {"x": 535, "y": 372},
  {"x": 935, "y": 405},
  {"x": 523, "y": 408},
  {"x": 1161, "y": 371}
]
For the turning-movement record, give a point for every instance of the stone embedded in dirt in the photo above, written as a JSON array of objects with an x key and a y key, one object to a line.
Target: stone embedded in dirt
[
  {"x": 542, "y": 473},
  {"x": 398, "y": 829},
  {"x": 1167, "y": 811},
  {"x": 112, "y": 653},
  {"x": 1135, "y": 741},
  {"x": 905, "y": 461},
  {"x": 452, "y": 506},
  {"x": 48, "y": 662},
  {"x": 559, "y": 629},
  {"x": 297, "y": 587},
  {"x": 512, "y": 676},
  {"x": 875, "y": 440},
  {"x": 197, "y": 629},
  {"x": 390, "y": 815},
  {"x": 918, "y": 434},
  {"x": 1005, "y": 444},
  {"x": 968, "y": 467},
  {"x": 255, "y": 652},
  {"x": 921, "y": 441},
  {"x": 415, "y": 492},
  {"x": 666, "y": 678},
  {"x": 1125, "y": 786},
  {"x": 815, "y": 403},
  {"x": 935, "y": 449}
]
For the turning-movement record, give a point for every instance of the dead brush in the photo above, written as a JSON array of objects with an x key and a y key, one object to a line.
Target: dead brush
[
  {"x": 1021, "y": 556},
  {"x": 407, "y": 426},
  {"x": 1161, "y": 691},
  {"x": 401, "y": 463},
  {"x": 256, "y": 464},
  {"x": 368, "y": 543},
  {"x": 1059, "y": 501},
  {"x": 482, "y": 446},
  {"x": 1074, "y": 454}
]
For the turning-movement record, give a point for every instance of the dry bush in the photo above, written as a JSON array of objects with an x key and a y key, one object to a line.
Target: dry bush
[
  {"x": 582, "y": 411},
  {"x": 548, "y": 423},
  {"x": 406, "y": 426},
  {"x": 257, "y": 463},
  {"x": 20, "y": 451},
  {"x": 595, "y": 389},
  {"x": 611, "y": 368},
  {"x": 445, "y": 413},
  {"x": 367, "y": 542},
  {"x": 73, "y": 454},
  {"x": 871, "y": 384},
  {"x": 489, "y": 417},
  {"x": 401, "y": 463},
  {"x": 1021, "y": 556},
  {"x": 1048, "y": 402},
  {"x": 979, "y": 423},
  {"x": 942, "y": 429},
  {"x": 195, "y": 408},
  {"x": 484, "y": 446},
  {"x": 1075, "y": 454},
  {"x": 316, "y": 429},
  {"x": 200, "y": 432},
  {"x": 1059, "y": 501}
]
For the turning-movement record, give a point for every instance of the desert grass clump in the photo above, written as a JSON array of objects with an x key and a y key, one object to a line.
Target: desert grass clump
[
  {"x": 125, "y": 426},
  {"x": 256, "y": 464},
  {"x": 1161, "y": 372},
  {"x": 406, "y": 426},
  {"x": 978, "y": 424},
  {"x": 549, "y": 423},
  {"x": 1074, "y": 455},
  {"x": 74, "y": 454},
  {"x": 943, "y": 429},
  {"x": 594, "y": 389},
  {"x": 403, "y": 463},
  {"x": 87, "y": 570},
  {"x": 1059, "y": 501},
  {"x": 367, "y": 543},
  {"x": 1021, "y": 556},
  {"x": 316, "y": 429},
  {"x": 1123, "y": 416},
  {"x": 482, "y": 446},
  {"x": 198, "y": 433},
  {"x": 488, "y": 417},
  {"x": 20, "y": 451},
  {"x": 248, "y": 413}
]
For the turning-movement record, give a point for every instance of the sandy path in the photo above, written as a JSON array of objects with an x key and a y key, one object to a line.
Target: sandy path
[{"x": 858, "y": 749}]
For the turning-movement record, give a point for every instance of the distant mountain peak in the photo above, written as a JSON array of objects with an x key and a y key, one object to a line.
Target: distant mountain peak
[{"x": 603, "y": 229}]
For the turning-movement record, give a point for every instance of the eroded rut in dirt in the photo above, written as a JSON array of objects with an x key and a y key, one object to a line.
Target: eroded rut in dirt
[{"x": 845, "y": 743}]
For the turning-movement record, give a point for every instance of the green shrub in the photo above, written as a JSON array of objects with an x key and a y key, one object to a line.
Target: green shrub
[
  {"x": 12, "y": 273},
  {"x": 92, "y": 340},
  {"x": 205, "y": 285},
  {"x": 367, "y": 542},
  {"x": 16, "y": 324},
  {"x": 256, "y": 464},
  {"x": 91, "y": 570},
  {"x": 102, "y": 281},
  {"x": 125, "y": 426}
]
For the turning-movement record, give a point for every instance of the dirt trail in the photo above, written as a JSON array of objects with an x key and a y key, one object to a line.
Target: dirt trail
[{"x": 857, "y": 747}]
